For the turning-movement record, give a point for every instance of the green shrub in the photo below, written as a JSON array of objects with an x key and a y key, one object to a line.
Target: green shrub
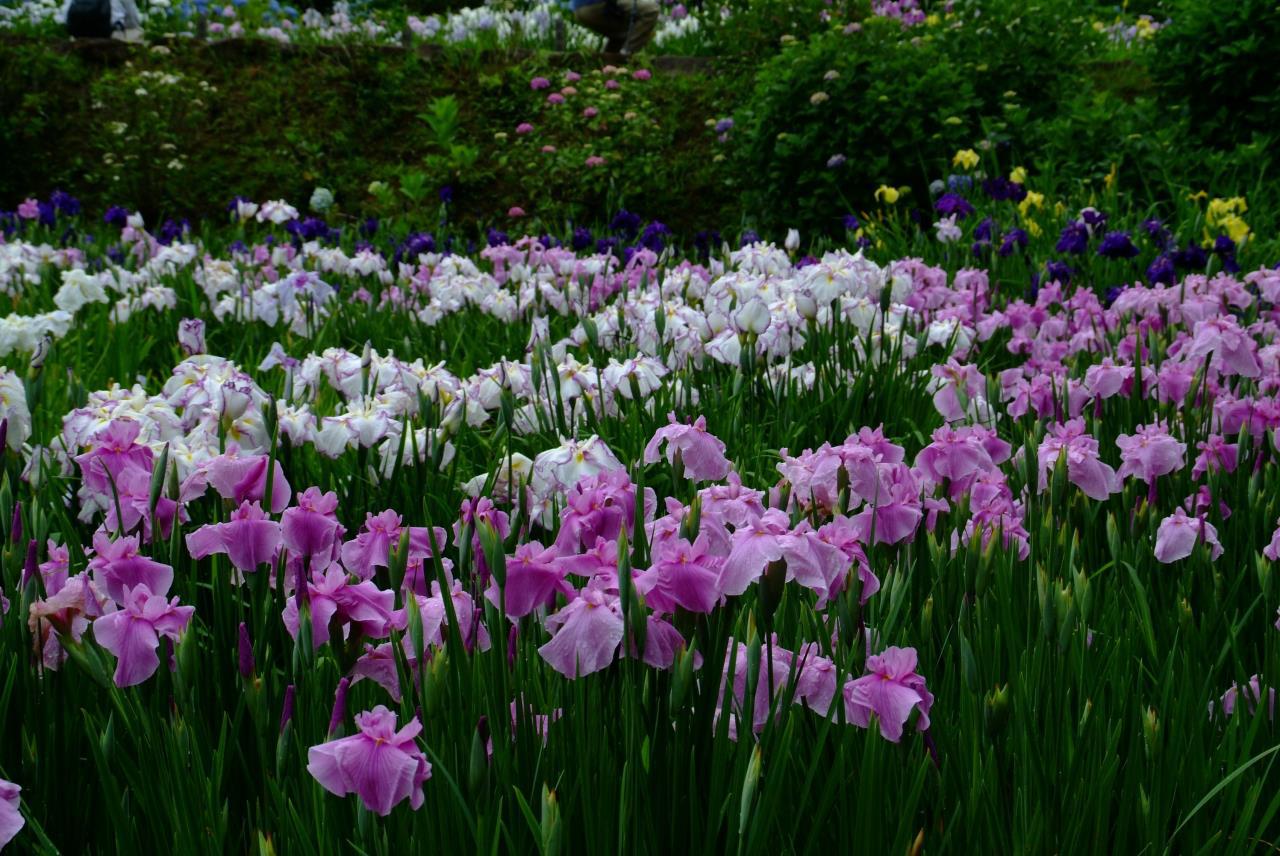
[
  {"x": 1217, "y": 63},
  {"x": 1036, "y": 51},
  {"x": 892, "y": 108}
]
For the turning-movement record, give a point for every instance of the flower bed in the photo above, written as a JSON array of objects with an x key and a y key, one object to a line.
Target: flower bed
[{"x": 317, "y": 544}]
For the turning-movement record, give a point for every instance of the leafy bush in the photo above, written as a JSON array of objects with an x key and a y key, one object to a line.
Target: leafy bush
[
  {"x": 832, "y": 118},
  {"x": 144, "y": 124},
  {"x": 592, "y": 142},
  {"x": 256, "y": 120},
  {"x": 1217, "y": 63},
  {"x": 1035, "y": 51}
]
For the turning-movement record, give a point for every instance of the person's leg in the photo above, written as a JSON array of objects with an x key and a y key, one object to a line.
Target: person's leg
[
  {"x": 642, "y": 20},
  {"x": 598, "y": 18}
]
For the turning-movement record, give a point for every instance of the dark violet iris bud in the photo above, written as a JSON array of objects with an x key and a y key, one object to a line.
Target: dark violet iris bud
[
  {"x": 497, "y": 238},
  {"x": 245, "y": 653},
  {"x": 446, "y": 194},
  {"x": 15, "y": 525},
  {"x": 582, "y": 239},
  {"x": 1117, "y": 245},
  {"x": 851, "y": 222},
  {"x": 300, "y": 589},
  {"x": 750, "y": 236},
  {"x": 286, "y": 712},
  {"x": 31, "y": 567},
  {"x": 949, "y": 204},
  {"x": 339, "y": 706}
]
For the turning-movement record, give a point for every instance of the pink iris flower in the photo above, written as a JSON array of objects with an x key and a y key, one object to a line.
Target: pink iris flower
[
  {"x": 1252, "y": 693},
  {"x": 890, "y": 690},
  {"x": 134, "y": 632},
  {"x": 957, "y": 456},
  {"x": 1233, "y": 349},
  {"x": 379, "y": 764},
  {"x": 682, "y": 574},
  {"x": 65, "y": 612},
  {"x": 1215, "y": 454},
  {"x": 1149, "y": 453},
  {"x": 1272, "y": 550},
  {"x": 116, "y": 566},
  {"x": 11, "y": 820},
  {"x": 598, "y": 506},
  {"x": 380, "y": 534},
  {"x": 895, "y": 507},
  {"x": 250, "y": 538},
  {"x": 311, "y": 527},
  {"x": 1085, "y": 468},
  {"x": 1178, "y": 534},
  {"x": 244, "y": 477},
  {"x": 533, "y": 579},
  {"x": 114, "y": 449},
  {"x": 588, "y": 631},
  {"x": 362, "y": 607},
  {"x": 701, "y": 452}
]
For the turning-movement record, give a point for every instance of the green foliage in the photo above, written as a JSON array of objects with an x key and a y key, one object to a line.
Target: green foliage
[
  {"x": 1071, "y": 688},
  {"x": 760, "y": 28},
  {"x": 615, "y": 140},
  {"x": 892, "y": 108},
  {"x": 1216, "y": 62},
  {"x": 1034, "y": 53},
  {"x": 144, "y": 124},
  {"x": 452, "y": 158}
]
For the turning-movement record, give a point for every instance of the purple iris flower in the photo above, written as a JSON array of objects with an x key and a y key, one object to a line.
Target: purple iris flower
[
  {"x": 1013, "y": 238},
  {"x": 1161, "y": 271},
  {"x": 1074, "y": 239},
  {"x": 116, "y": 216},
  {"x": 1117, "y": 245}
]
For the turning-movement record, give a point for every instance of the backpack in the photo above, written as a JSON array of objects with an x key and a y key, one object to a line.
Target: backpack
[{"x": 89, "y": 19}]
